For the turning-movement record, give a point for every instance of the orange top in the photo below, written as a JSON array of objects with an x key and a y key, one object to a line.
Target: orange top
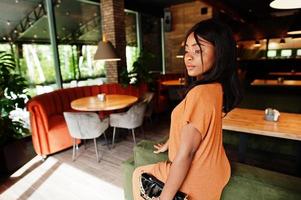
[{"x": 210, "y": 168}]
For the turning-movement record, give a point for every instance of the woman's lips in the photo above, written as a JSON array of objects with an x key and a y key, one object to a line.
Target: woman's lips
[{"x": 189, "y": 67}]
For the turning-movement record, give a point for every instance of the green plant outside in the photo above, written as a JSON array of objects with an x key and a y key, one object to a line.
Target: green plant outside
[
  {"x": 140, "y": 71},
  {"x": 12, "y": 96}
]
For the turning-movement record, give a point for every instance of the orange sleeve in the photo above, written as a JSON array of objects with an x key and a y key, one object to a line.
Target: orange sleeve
[{"x": 198, "y": 109}]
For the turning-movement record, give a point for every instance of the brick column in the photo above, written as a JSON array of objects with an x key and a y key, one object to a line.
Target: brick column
[{"x": 113, "y": 26}]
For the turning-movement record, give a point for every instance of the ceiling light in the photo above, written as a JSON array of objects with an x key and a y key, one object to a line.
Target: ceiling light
[
  {"x": 257, "y": 43},
  {"x": 285, "y": 4},
  {"x": 4, "y": 38},
  {"x": 106, "y": 51},
  {"x": 273, "y": 45},
  {"x": 17, "y": 1},
  {"x": 8, "y": 23}
]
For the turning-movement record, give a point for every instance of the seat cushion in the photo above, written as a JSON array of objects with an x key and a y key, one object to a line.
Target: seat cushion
[
  {"x": 128, "y": 169},
  {"x": 248, "y": 183},
  {"x": 143, "y": 154},
  {"x": 58, "y": 134}
]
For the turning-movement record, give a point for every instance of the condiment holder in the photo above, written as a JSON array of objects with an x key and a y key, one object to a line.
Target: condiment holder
[{"x": 101, "y": 97}]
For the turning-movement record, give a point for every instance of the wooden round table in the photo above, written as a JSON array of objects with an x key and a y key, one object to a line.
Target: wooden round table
[
  {"x": 112, "y": 102},
  {"x": 172, "y": 83}
]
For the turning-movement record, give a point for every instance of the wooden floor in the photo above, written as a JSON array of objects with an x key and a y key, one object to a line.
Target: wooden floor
[{"x": 59, "y": 178}]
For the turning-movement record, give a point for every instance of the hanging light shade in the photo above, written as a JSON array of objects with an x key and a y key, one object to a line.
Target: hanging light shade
[
  {"x": 286, "y": 4},
  {"x": 282, "y": 41},
  {"x": 106, "y": 51},
  {"x": 257, "y": 43}
]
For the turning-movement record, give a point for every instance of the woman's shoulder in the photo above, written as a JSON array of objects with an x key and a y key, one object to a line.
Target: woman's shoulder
[{"x": 205, "y": 89}]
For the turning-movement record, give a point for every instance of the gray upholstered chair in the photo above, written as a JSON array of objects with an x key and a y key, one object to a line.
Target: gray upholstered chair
[
  {"x": 130, "y": 120},
  {"x": 148, "y": 97},
  {"x": 85, "y": 125}
]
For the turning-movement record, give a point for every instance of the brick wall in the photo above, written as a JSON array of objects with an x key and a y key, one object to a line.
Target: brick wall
[{"x": 113, "y": 25}]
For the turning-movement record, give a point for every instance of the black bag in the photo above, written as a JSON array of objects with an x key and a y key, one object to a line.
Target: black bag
[{"x": 151, "y": 187}]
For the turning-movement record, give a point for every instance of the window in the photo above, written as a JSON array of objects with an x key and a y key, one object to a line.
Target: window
[
  {"x": 87, "y": 65},
  {"x": 39, "y": 64},
  {"x": 286, "y": 53},
  {"x": 298, "y": 52},
  {"x": 5, "y": 47},
  {"x": 132, "y": 38},
  {"x": 272, "y": 53}
]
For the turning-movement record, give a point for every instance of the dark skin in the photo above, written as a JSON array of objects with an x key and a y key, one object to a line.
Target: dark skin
[
  {"x": 190, "y": 141},
  {"x": 197, "y": 61}
]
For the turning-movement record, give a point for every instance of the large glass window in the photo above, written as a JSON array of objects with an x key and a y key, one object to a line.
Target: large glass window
[
  {"x": 286, "y": 53},
  {"x": 272, "y": 53},
  {"x": 5, "y": 47},
  {"x": 39, "y": 65},
  {"x": 132, "y": 43},
  {"x": 78, "y": 26},
  {"x": 68, "y": 62},
  {"x": 87, "y": 65}
]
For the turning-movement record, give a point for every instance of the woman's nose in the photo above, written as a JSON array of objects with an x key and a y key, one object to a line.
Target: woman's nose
[{"x": 188, "y": 56}]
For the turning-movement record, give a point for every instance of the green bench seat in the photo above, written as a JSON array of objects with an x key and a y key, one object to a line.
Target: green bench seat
[{"x": 246, "y": 183}]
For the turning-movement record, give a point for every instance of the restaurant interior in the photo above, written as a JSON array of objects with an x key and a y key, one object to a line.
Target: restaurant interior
[{"x": 99, "y": 62}]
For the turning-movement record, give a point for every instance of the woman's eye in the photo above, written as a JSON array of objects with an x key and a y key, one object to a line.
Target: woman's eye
[{"x": 197, "y": 51}]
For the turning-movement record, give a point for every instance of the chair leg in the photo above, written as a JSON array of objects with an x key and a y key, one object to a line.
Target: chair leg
[
  {"x": 74, "y": 149},
  {"x": 108, "y": 145},
  {"x": 85, "y": 144},
  {"x": 133, "y": 133},
  {"x": 142, "y": 130},
  {"x": 114, "y": 131},
  {"x": 96, "y": 150}
]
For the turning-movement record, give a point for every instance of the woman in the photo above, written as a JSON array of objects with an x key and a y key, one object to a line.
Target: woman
[{"x": 197, "y": 164}]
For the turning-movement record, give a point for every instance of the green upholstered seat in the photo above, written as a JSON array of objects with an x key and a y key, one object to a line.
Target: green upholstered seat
[{"x": 246, "y": 183}]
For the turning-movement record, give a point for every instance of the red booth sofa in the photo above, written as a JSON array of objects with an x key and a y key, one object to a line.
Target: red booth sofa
[{"x": 48, "y": 126}]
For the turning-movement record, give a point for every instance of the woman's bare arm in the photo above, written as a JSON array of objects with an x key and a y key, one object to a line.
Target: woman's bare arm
[{"x": 190, "y": 141}]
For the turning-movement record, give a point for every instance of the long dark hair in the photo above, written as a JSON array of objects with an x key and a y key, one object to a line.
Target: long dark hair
[{"x": 224, "y": 70}]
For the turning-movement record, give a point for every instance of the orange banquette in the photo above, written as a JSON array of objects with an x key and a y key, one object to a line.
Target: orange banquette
[{"x": 47, "y": 123}]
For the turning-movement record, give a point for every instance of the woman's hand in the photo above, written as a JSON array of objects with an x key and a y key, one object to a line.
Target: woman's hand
[{"x": 160, "y": 148}]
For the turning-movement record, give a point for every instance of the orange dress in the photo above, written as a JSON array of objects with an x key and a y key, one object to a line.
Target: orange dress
[{"x": 210, "y": 169}]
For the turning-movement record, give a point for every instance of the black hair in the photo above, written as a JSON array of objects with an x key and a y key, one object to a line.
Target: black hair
[{"x": 225, "y": 68}]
